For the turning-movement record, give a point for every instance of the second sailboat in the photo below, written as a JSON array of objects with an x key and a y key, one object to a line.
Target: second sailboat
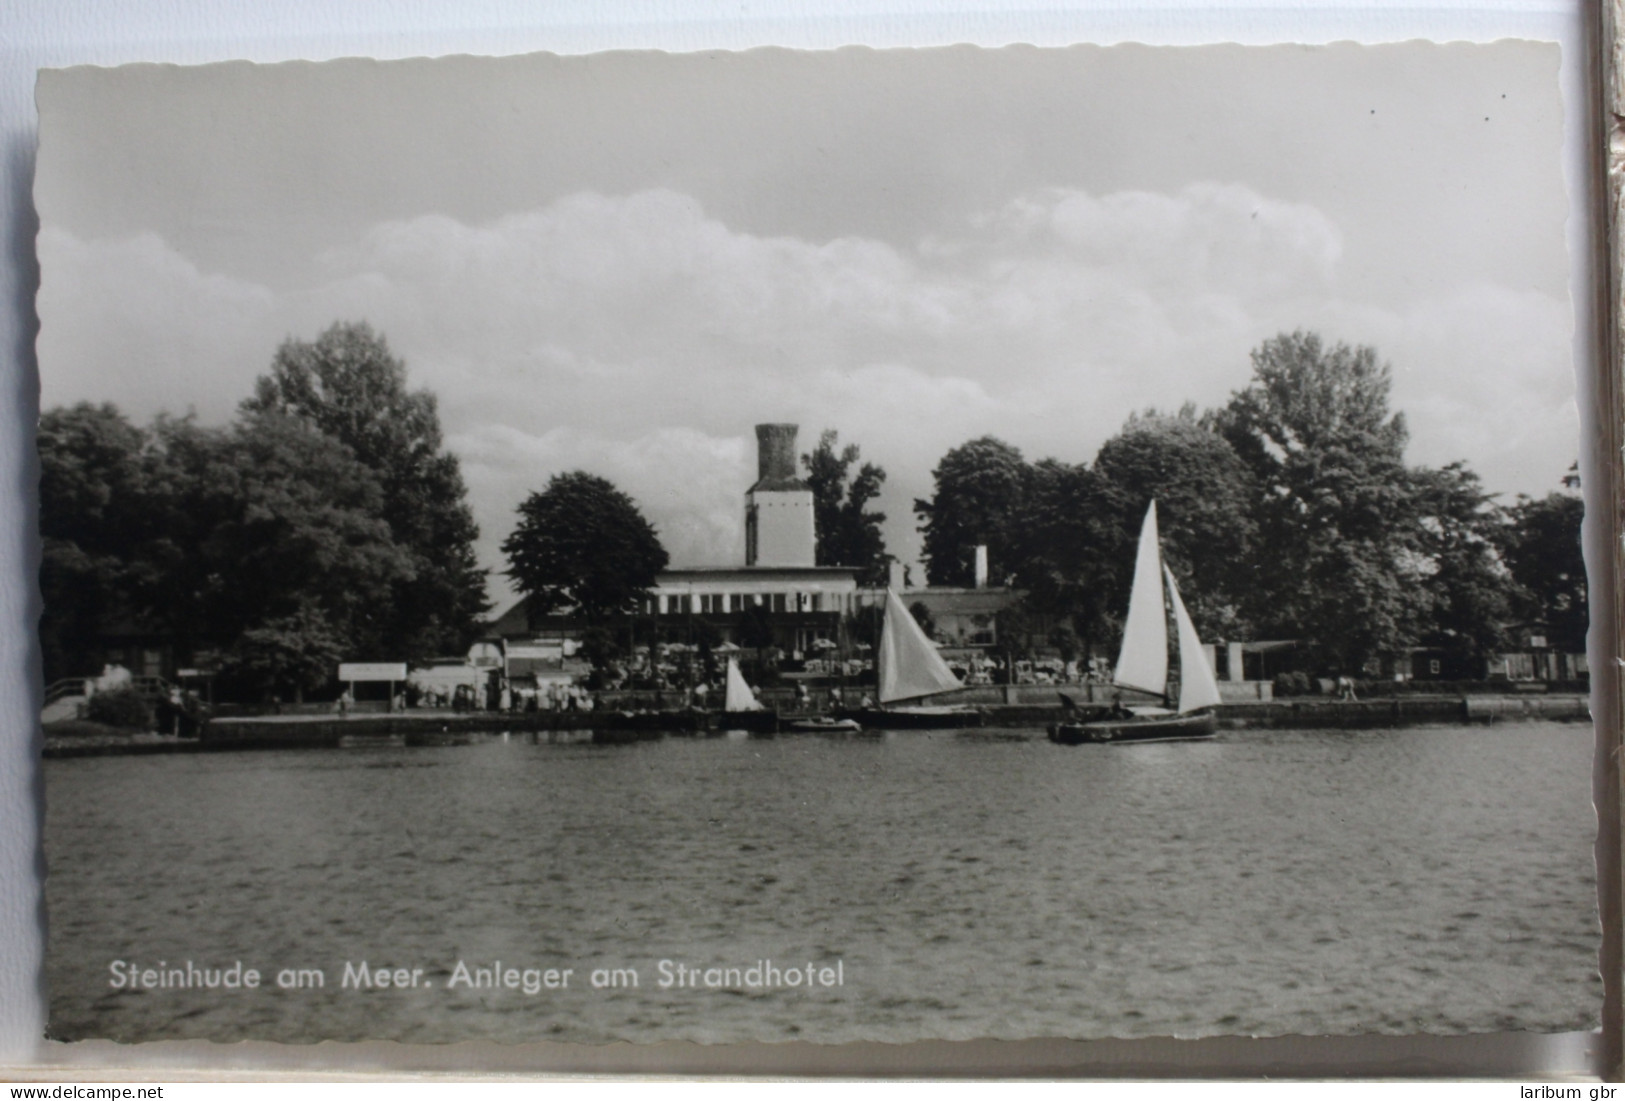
[{"x": 1142, "y": 663}]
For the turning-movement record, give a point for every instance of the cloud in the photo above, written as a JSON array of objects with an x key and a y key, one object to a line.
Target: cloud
[
  {"x": 133, "y": 322},
  {"x": 689, "y": 485},
  {"x": 1484, "y": 374},
  {"x": 641, "y": 337},
  {"x": 1207, "y": 238}
]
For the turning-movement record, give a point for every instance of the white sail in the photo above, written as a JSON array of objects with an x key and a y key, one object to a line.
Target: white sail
[
  {"x": 1143, "y": 661},
  {"x": 907, "y": 663},
  {"x": 739, "y": 697},
  {"x": 1197, "y": 688}
]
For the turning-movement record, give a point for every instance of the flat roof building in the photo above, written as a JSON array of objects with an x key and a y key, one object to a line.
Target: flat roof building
[
  {"x": 805, "y": 602},
  {"x": 779, "y": 585}
]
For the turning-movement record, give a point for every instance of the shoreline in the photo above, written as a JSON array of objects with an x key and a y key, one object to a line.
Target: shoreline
[{"x": 436, "y": 728}]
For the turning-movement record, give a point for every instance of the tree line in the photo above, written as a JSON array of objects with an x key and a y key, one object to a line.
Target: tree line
[
  {"x": 326, "y": 522},
  {"x": 1287, "y": 513}
]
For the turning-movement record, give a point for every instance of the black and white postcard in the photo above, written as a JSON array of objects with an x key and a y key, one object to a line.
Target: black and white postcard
[{"x": 834, "y": 546}]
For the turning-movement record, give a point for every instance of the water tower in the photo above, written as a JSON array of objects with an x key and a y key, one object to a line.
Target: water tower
[{"x": 779, "y": 526}]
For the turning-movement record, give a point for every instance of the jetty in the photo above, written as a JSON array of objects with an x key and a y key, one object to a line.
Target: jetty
[{"x": 604, "y": 726}]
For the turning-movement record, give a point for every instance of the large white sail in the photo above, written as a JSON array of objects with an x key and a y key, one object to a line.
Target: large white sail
[
  {"x": 1143, "y": 661},
  {"x": 739, "y": 697},
  {"x": 907, "y": 663},
  {"x": 1197, "y": 688}
]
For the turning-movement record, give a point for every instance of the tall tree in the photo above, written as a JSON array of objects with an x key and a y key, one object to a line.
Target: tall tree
[
  {"x": 295, "y": 653},
  {"x": 262, "y": 540},
  {"x": 582, "y": 544},
  {"x": 848, "y": 533},
  {"x": 270, "y": 517},
  {"x": 1333, "y": 499},
  {"x": 1061, "y": 546},
  {"x": 350, "y": 387},
  {"x": 1467, "y": 588},
  {"x": 980, "y": 488},
  {"x": 273, "y": 547},
  {"x": 1542, "y": 548},
  {"x": 94, "y": 518},
  {"x": 1205, "y": 496}
]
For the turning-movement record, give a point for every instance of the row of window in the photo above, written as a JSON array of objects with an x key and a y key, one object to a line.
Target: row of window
[{"x": 732, "y": 603}]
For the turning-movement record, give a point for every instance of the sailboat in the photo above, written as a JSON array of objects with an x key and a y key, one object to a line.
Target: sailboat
[
  {"x": 741, "y": 710},
  {"x": 737, "y": 696},
  {"x": 1142, "y": 663},
  {"x": 908, "y": 667}
]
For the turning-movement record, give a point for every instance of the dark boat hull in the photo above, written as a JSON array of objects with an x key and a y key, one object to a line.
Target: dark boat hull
[
  {"x": 945, "y": 718},
  {"x": 1159, "y": 728},
  {"x": 754, "y": 722},
  {"x": 625, "y": 727},
  {"x": 680, "y": 722}
]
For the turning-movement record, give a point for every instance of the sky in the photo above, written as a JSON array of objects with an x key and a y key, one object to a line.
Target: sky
[{"x": 622, "y": 262}]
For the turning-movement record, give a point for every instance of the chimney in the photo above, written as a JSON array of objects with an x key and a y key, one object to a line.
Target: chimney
[
  {"x": 775, "y": 453},
  {"x": 981, "y": 565}
]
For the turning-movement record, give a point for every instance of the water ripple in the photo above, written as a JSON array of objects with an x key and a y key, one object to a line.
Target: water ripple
[{"x": 1266, "y": 882}]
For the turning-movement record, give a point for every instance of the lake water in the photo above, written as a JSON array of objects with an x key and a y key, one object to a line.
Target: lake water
[{"x": 965, "y": 884}]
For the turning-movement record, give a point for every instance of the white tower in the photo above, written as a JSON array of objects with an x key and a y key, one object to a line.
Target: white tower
[{"x": 779, "y": 526}]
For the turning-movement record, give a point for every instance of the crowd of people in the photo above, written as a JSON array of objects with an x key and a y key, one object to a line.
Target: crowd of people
[{"x": 500, "y": 696}]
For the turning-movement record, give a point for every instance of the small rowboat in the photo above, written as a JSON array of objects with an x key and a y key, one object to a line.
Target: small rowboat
[{"x": 823, "y": 724}]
